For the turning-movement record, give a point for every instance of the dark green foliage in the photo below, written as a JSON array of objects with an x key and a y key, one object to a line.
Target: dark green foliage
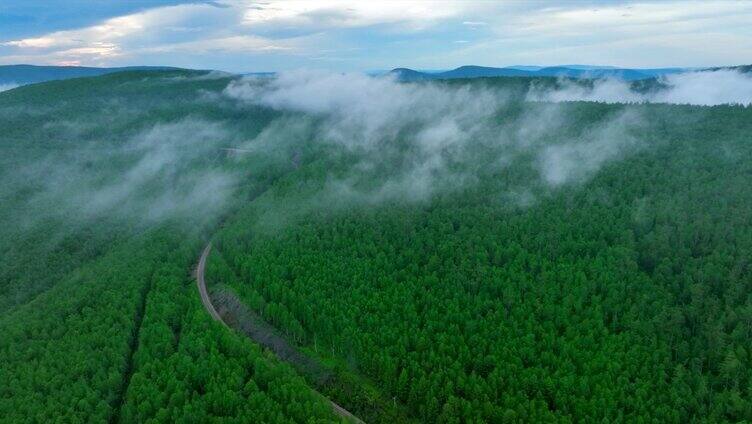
[
  {"x": 28, "y": 74},
  {"x": 64, "y": 354},
  {"x": 189, "y": 369},
  {"x": 64, "y": 143},
  {"x": 99, "y": 318},
  {"x": 627, "y": 298},
  {"x": 620, "y": 295},
  {"x": 132, "y": 322}
]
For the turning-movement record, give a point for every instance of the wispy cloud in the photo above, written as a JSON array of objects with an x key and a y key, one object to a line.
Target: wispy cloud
[
  {"x": 332, "y": 14},
  {"x": 284, "y": 34},
  {"x": 185, "y": 28},
  {"x": 475, "y": 23},
  {"x": 6, "y": 87},
  {"x": 706, "y": 88},
  {"x": 630, "y": 34},
  {"x": 432, "y": 138}
]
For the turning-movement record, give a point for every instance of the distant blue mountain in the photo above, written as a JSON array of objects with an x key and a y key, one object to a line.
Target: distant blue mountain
[
  {"x": 526, "y": 67},
  {"x": 581, "y": 67},
  {"x": 406, "y": 74},
  {"x": 28, "y": 74},
  {"x": 260, "y": 74},
  {"x": 561, "y": 71},
  {"x": 570, "y": 71},
  {"x": 586, "y": 67},
  {"x": 480, "y": 71}
]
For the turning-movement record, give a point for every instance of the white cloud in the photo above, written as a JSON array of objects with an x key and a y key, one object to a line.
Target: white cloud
[
  {"x": 341, "y": 13},
  {"x": 233, "y": 44},
  {"x": 285, "y": 34},
  {"x": 695, "y": 88},
  {"x": 629, "y": 34},
  {"x": 579, "y": 159},
  {"x": 155, "y": 30},
  {"x": 372, "y": 116},
  {"x": 432, "y": 138},
  {"x": 6, "y": 87},
  {"x": 606, "y": 91},
  {"x": 41, "y": 42},
  {"x": 367, "y": 110},
  {"x": 707, "y": 88}
]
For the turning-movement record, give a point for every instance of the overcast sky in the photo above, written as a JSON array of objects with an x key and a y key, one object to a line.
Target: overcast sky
[{"x": 272, "y": 35}]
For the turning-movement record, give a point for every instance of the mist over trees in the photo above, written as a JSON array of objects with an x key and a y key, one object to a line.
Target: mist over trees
[
  {"x": 706, "y": 88},
  {"x": 621, "y": 296},
  {"x": 487, "y": 250}
]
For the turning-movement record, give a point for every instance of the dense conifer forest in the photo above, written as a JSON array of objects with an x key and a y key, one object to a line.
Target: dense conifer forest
[
  {"x": 547, "y": 262},
  {"x": 100, "y": 319},
  {"x": 625, "y": 298}
]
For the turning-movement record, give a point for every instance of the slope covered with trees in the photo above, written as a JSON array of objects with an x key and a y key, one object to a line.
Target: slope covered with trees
[
  {"x": 625, "y": 297},
  {"x": 99, "y": 317},
  {"x": 560, "y": 262}
]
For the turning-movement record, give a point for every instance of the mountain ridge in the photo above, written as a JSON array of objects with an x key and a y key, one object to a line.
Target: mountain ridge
[
  {"x": 22, "y": 74},
  {"x": 570, "y": 71}
]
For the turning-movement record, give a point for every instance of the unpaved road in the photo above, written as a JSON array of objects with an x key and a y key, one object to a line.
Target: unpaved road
[
  {"x": 209, "y": 306},
  {"x": 200, "y": 271}
]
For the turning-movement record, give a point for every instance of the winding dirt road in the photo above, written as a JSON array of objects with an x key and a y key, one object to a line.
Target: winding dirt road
[
  {"x": 200, "y": 271},
  {"x": 209, "y": 306}
]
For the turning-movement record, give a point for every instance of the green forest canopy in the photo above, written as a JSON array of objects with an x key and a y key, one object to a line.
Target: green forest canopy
[{"x": 622, "y": 293}]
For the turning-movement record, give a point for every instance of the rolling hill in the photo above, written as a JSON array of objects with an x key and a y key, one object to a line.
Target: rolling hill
[
  {"x": 572, "y": 71},
  {"x": 442, "y": 251},
  {"x": 28, "y": 74}
]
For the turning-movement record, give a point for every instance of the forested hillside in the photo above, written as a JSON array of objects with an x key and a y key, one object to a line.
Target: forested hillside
[
  {"x": 103, "y": 215},
  {"x": 437, "y": 251},
  {"x": 620, "y": 296},
  {"x": 29, "y": 74}
]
